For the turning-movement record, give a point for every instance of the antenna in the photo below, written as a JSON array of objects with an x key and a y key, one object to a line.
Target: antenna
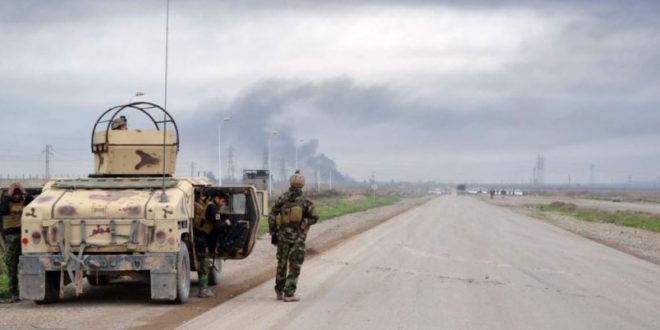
[{"x": 163, "y": 195}]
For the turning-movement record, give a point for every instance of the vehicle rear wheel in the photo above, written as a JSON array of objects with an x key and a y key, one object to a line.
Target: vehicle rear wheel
[
  {"x": 182, "y": 275},
  {"x": 97, "y": 280},
  {"x": 214, "y": 275},
  {"x": 52, "y": 288}
]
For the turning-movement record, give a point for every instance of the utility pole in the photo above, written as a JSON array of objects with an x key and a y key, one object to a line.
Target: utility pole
[
  {"x": 224, "y": 120},
  {"x": 230, "y": 163},
  {"x": 297, "y": 145},
  {"x": 49, "y": 153},
  {"x": 270, "y": 173},
  {"x": 283, "y": 170},
  {"x": 332, "y": 169},
  {"x": 318, "y": 178},
  {"x": 265, "y": 158},
  {"x": 193, "y": 166},
  {"x": 539, "y": 171}
]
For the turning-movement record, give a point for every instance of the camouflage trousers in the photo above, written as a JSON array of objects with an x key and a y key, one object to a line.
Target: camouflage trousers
[
  {"x": 12, "y": 252},
  {"x": 205, "y": 264},
  {"x": 290, "y": 257}
]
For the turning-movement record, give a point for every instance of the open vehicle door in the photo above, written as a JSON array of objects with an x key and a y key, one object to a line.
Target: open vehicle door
[{"x": 242, "y": 209}]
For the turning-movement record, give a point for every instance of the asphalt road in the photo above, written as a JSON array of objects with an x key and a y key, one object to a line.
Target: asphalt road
[{"x": 458, "y": 263}]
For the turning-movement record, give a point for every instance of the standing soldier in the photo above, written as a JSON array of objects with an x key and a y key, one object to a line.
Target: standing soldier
[
  {"x": 207, "y": 224},
  {"x": 288, "y": 223},
  {"x": 11, "y": 208}
]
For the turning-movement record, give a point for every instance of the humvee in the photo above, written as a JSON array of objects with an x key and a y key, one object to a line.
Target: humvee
[{"x": 130, "y": 217}]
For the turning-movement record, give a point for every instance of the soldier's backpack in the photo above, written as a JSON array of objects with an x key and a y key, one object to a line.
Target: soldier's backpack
[
  {"x": 199, "y": 221},
  {"x": 292, "y": 213}
]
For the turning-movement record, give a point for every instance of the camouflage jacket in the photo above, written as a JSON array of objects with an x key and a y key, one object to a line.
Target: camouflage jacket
[{"x": 291, "y": 233}]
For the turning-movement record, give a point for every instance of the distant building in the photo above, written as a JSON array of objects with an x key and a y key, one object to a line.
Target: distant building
[{"x": 256, "y": 178}]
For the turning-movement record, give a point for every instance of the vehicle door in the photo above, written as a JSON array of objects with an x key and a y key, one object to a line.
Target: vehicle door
[{"x": 242, "y": 210}]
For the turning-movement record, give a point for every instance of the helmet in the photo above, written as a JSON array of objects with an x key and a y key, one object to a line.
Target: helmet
[
  {"x": 119, "y": 122},
  {"x": 297, "y": 180}
]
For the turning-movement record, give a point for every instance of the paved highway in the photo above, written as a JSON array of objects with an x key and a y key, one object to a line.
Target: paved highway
[{"x": 458, "y": 263}]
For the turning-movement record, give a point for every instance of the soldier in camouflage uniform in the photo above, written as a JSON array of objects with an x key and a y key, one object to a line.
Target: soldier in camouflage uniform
[
  {"x": 11, "y": 209},
  {"x": 288, "y": 223},
  {"x": 206, "y": 225}
]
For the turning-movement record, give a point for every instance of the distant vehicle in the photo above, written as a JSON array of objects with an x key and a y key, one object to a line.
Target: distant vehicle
[
  {"x": 131, "y": 217},
  {"x": 460, "y": 189}
]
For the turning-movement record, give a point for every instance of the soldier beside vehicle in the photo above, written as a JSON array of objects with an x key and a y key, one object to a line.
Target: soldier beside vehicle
[
  {"x": 208, "y": 227},
  {"x": 289, "y": 221},
  {"x": 11, "y": 209}
]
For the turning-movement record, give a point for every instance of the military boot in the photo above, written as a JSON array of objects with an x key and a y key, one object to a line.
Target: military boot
[
  {"x": 279, "y": 295},
  {"x": 291, "y": 298},
  {"x": 206, "y": 293},
  {"x": 15, "y": 299}
]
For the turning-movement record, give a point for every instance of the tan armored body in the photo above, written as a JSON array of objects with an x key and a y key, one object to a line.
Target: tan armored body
[{"x": 117, "y": 221}]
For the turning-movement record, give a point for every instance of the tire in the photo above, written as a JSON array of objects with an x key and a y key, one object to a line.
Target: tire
[
  {"x": 182, "y": 275},
  {"x": 214, "y": 275},
  {"x": 98, "y": 280},
  {"x": 52, "y": 288}
]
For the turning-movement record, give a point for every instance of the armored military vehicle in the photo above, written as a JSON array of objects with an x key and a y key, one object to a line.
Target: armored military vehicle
[{"x": 130, "y": 217}]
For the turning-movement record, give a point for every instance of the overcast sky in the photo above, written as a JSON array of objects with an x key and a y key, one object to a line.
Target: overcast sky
[{"x": 410, "y": 90}]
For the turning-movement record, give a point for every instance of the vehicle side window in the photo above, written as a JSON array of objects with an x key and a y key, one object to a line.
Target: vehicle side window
[{"x": 238, "y": 203}]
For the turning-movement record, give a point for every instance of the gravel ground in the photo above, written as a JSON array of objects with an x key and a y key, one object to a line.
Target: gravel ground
[
  {"x": 127, "y": 305},
  {"x": 638, "y": 242}
]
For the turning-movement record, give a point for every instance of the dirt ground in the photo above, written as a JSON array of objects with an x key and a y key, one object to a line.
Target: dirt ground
[
  {"x": 127, "y": 305},
  {"x": 638, "y": 242}
]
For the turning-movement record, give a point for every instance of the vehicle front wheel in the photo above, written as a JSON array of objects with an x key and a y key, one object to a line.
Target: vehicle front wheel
[{"x": 182, "y": 275}]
